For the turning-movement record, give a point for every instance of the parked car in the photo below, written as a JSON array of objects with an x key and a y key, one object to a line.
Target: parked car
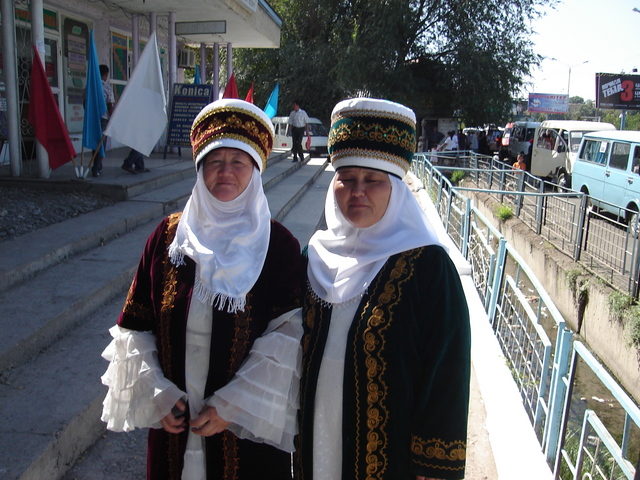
[
  {"x": 555, "y": 145},
  {"x": 607, "y": 168},
  {"x": 317, "y": 130},
  {"x": 521, "y": 140}
]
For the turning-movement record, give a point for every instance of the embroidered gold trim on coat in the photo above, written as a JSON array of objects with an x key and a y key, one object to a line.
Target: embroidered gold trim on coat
[
  {"x": 239, "y": 350},
  {"x": 135, "y": 309},
  {"x": 240, "y": 345},
  {"x": 374, "y": 340},
  {"x": 437, "y": 449},
  {"x": 170, "y": 272},
  {"x": 230, "y": 448},
  {"x": 312, "y": 311}
]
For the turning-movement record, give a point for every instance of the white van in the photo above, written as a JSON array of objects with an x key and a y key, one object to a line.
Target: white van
[
  {"x": 607, "y": 167},
  {"x": 318, "y": 132},
  {"x": 555, "y": 146}
]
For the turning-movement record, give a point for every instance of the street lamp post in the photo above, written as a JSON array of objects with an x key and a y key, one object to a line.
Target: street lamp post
[{"x": 569, "y": 78}]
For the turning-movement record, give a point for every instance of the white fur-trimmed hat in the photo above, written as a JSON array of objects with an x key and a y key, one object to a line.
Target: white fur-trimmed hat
[
  {"x": 232, "y": 123},
  {"x": 372, "y": 133}
]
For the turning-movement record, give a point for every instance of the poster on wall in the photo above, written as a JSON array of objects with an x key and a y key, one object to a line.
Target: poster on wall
[
  {"x": 618, "y": 91},
  {"x": 76, "y": 45},
  {"x": 188, "y": 100},
  {"x": 548, "y": 103}
]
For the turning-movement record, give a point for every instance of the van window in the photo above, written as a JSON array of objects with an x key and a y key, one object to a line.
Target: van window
[
  {"x": 546, "y": 139},
  {"x": 595, "y": 151},
  {"x": 318, "y": 130},
  {"x": 636, "y": 160},
  {"x": 620, "y": 156},
  {"x": 575, "y": 139}
]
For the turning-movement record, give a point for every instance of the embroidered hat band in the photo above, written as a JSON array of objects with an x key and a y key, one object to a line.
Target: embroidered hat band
[{"x": 232, "y": 123}]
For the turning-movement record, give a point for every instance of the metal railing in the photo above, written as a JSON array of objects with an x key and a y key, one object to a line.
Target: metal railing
[
  {"x": 604, "y": 243},
  {"x": 548, "y": 366}
]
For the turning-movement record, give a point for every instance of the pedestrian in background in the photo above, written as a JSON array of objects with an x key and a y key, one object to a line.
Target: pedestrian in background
[
  {"x": 134, "y": 163},
  {"x": 386, "y": 345},
  {"x": 435, "y": 138},
  {"x": 450, "y": 143},
  {"x": 110, "y": 100},
  {"x": 520, "y": 164},
  {"x": 299, "y": 124},
  {"x": 207, "y": 344},
  {"x": 483, "y": 145}
]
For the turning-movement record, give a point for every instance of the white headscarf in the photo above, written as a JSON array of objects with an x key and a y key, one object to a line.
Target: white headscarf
[
  {"x": 227, "y": 240},
  {"x": 344, "y": 259}
]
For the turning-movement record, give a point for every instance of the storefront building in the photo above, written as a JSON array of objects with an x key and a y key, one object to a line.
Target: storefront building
[{"x": 60, "y": 31}]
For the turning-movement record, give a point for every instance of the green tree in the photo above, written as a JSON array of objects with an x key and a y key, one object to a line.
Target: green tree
[
  {"x": 458, "y": 57},
  {"x": 632, "y": 121}
]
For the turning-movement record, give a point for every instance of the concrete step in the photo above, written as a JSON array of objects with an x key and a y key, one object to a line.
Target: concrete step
[
  {"x": 163, "y": 191},
  {"x": 283, "y": 195},
  {"x": 29, "y": 254},
  {"x": 55, "y": 324},
  {"x": 307, "y": 215}
]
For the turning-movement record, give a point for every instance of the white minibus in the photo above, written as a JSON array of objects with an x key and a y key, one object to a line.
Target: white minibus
[{"x": 555, "y": 145}]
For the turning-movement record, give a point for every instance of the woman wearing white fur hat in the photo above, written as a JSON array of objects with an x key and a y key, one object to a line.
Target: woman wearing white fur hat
[
  {"x": 214, "y": 290},
  {"x": 386, "y": 362}
]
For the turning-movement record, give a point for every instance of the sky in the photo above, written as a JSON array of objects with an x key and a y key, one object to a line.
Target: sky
[{"x": 603, "y": 33}]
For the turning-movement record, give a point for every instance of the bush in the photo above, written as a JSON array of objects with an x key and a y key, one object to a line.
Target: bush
[
  {"x": 503, "y": 212},
  {"x": 457, "y": 176}
]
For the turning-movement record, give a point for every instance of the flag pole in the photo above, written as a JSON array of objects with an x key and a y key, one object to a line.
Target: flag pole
[{"x": 93, "y": 157}]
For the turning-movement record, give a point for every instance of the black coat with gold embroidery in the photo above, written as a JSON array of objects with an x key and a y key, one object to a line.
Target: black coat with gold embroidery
[
  {"x": 406, "y": 374},
  {"x": 158, "y": 301}
]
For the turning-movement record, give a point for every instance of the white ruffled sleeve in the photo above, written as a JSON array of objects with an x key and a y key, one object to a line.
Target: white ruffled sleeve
[
  {"x": 262, "y": 399},
  {"x": 139, "y": 395}
]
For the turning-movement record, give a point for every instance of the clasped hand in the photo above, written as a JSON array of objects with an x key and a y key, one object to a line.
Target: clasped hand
[{"x": 207, "y": 423}]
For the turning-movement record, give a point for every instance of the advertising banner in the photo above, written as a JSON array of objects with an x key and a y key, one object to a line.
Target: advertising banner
[
  {"x": 618, "y": 91},
  {"x": 548, "y": 103}
]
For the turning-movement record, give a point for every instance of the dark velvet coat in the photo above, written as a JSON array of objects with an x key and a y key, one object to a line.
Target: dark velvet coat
[
  {"x": 406, "y": 374},
  {"x": 158, "y": 301}
]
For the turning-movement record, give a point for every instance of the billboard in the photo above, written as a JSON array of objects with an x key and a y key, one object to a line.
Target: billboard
[
  {"x": 618, "y": 91},
  {"x": 548, "y": 103}
]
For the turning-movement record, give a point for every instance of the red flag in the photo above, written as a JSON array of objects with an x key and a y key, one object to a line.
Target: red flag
[
  {"x": 250, "y": 95},
  {"x": 231, "y": 91},
  {"x": 45, "y": 117}
]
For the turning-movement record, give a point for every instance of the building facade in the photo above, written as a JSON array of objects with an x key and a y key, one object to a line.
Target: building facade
[{"x": 60, "y": 31}]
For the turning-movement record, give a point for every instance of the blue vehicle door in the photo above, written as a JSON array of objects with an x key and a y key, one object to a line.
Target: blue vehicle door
[{"x": 618, "y": 176}]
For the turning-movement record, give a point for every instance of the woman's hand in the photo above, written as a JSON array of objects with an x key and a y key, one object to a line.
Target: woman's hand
[
  {"x": 208, "y": 422},
  {"x": 173, "y": 424}
]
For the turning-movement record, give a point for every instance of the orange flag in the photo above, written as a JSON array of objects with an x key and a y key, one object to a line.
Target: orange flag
[
  {"x": 250, "y": 95},
  {"x": 231, "y": 90},
  {"x": 45, "y": 117}
]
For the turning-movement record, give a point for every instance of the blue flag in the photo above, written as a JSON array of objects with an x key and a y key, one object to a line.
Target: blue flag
[
  {"x": 94, "y": 104},
  {"x": 271, "y": 108}
]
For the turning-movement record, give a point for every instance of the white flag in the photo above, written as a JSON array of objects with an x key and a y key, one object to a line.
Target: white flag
[{"x": 140, "y": 115}]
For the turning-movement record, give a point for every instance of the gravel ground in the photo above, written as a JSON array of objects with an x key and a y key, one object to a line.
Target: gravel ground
[{"x": 25, "y": 209}]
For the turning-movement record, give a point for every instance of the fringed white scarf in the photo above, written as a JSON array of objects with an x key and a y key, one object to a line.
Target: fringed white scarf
[
  {"x": 344, "y": 260},
  {"x": 227, "y": 240}
]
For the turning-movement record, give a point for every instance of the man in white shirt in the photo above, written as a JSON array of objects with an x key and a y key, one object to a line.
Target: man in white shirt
[{"x": 299, "y": 124}]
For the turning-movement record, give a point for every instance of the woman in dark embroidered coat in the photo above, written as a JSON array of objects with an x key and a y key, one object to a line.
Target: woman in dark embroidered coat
[
  {"x": 206, "y": 349},
  {"x": 386, "y": 362}
]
